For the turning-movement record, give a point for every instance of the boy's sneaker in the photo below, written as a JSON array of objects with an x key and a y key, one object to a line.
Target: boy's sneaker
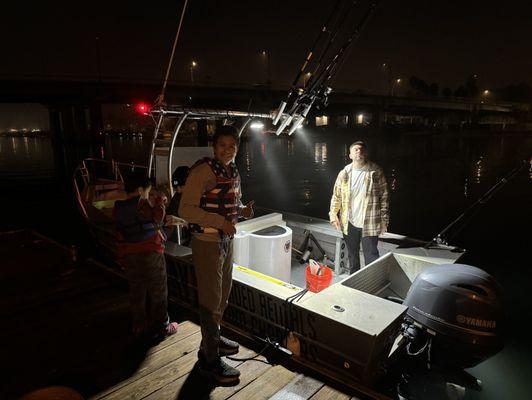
[
  {"x": 220, "y": 371},
  {"x": 227, "y": 347}
]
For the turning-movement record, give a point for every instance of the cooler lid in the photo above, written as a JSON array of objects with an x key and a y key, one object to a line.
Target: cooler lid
[{"x": 274, "y": 230}]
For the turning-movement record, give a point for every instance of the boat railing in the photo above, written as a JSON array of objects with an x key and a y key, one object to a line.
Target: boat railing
[
  {"x": 161, "y": 112},
  {"x": 92, "y": 170}
]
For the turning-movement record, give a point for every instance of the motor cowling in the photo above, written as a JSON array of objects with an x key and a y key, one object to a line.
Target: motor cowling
[{"x": 460, "y": 310}]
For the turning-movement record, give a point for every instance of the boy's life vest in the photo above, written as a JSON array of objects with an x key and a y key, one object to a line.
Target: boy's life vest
[
  {"x": 131, "y": 225},
  {"x": 224, "y": 197}
]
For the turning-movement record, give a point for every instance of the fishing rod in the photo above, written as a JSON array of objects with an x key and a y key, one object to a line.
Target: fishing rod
[
  {"x": 442, "y": 238},
  {"x": 318, "y": 91},
  {"x": 324, "y": 30},
  {"x": 160, "y": 98},
  {"x": 341, "y": 23},
  {"x": 329, "y": 71},
  {"x": 308, "y": 59}
]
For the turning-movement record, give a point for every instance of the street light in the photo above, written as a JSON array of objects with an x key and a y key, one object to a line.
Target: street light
[
  {"x": 387, "y": 69},
  {"x": 486, "y": 94},
  {"x": 265, "y": 56},
  {"x": 193, "y": 65},
  {"x": 396, "y": 82}
]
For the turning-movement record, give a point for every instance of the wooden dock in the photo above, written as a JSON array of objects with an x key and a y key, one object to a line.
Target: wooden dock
[{"x": 66, "y": 323}]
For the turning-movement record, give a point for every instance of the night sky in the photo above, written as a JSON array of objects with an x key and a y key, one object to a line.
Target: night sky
[{"x": 438, "y": 41}]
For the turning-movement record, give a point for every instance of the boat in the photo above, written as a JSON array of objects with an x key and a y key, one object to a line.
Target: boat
[{"x": 348, "y": 331}]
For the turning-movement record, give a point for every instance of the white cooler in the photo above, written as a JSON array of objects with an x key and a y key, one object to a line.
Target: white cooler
[{"x": 264, "y": 244}]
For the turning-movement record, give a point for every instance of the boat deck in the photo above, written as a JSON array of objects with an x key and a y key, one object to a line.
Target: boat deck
[{"x": 66, "y": 323}]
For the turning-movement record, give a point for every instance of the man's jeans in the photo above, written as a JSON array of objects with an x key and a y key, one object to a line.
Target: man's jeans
[{"x": 369, "y": 247}]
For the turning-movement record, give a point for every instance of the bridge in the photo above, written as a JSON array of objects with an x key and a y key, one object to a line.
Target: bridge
[{"x": 75, "y": 106}]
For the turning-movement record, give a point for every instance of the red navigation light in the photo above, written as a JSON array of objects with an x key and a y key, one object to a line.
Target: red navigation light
[{"x": 142, "y": 108}]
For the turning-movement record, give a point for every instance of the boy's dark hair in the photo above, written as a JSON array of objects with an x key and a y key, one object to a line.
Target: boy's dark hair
[
  {"x": 225, "y": 130},
  {"x": 180, "y": 175},
  {"x": 134, "y": 180},
  {"x": 358, "y": 143}
]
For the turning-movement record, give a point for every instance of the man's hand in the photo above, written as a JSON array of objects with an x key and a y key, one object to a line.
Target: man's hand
[
  {"x": 228, "y": 228},
  {"x": 247, "y": 212},
  {"x": 384, "y": 228},
  {"x": 337, "y": 224}
]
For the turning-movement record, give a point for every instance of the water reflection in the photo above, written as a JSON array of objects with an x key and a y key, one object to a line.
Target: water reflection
[
  {"x": 247, "y": 157},
  {"x": 289, "y": 147},
  {"x": 26, "y": 150},
  {"x": 320, "y": 155},
  {"x": 466, "y": 188},
  {"x": 26, "y": 158},
  {"x": 304, "y": 192},
  {"x": 479, "y": 170},
  {"x": 345, "y": 154}
]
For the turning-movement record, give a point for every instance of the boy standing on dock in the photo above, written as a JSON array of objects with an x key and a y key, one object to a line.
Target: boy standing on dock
[
  {"x": 211, "y": 205},
  {"x": 141, "y": 249}
]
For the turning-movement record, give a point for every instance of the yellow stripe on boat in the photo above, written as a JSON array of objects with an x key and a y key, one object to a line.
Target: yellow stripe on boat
[{"x": 266, "y": 277}]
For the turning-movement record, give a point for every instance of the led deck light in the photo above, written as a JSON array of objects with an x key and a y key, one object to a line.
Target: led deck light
[{"x": 256, "y": 125}]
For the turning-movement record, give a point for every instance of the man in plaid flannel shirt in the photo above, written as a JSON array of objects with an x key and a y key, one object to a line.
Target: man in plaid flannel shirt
[{"x": 360, "y": 206}]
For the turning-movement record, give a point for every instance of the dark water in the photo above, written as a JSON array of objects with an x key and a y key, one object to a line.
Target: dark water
[{"x": 433, "y": 178}]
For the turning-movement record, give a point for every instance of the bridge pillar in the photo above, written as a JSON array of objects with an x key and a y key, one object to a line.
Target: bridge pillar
[
  {"x": 95, "y": 122},
  {"x": 378, "y": 118},
  {"x": 203, "y": 138},
  {"x": 79, "y": 114},
  {"x": 54, "y": 116}
]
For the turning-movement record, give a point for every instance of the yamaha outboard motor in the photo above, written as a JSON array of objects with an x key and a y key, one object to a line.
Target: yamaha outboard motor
[
  {"x": 454, "y": 321},
  {"x": 460, "y": 308}
]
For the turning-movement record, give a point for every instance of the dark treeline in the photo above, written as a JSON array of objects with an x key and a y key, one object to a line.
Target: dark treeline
[{"x": 521, "y": 92}]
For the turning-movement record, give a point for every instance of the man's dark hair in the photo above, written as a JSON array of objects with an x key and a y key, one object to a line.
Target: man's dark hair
[
  {"x": 225, "y": 130},
  {"x": 358, "y": 143},
  {"x": 134, "y": 180}
]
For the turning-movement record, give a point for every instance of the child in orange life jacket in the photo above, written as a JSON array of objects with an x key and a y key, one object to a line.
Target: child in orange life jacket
[{"x": 141, "y": 251}]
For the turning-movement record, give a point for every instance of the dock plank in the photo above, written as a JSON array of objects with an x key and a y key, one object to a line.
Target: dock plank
[
  {"x": 195, "y": 386},
  {"x": 329, "y": 393},
  {"x": 300, "y": 388},
  {"x": 156, "y": 358},
  {"x": 140, "y": 388},
  {"x": 266, "y": 385}
]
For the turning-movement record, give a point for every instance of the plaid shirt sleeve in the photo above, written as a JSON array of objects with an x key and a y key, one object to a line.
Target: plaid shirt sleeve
[
  {"x": 384, "y": 197},
  {"x": 336, "y": 199}
]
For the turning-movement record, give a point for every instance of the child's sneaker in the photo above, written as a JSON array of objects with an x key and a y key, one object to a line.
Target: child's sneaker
[
  {"x": 160, "y": 334},
  {"x": 171, "y": 328}
]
